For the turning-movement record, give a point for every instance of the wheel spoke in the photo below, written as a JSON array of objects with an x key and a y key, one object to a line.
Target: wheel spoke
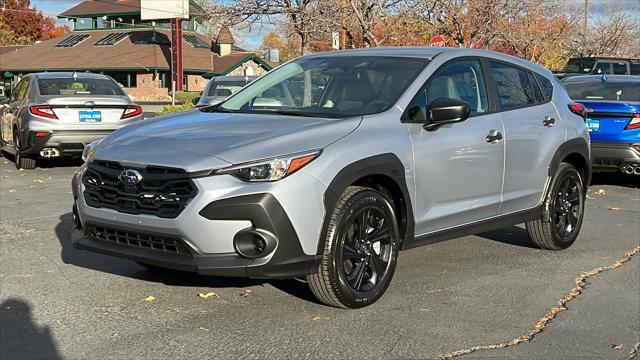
[
  {"x": 378, "y": 266},
  {"x": 574, "y": 197},
  {"x": 379, "y": 234},
  {"x": 349, "y": 252},
  {"x": 355, "y": 280},
  {"x": 362, "y": 224}
]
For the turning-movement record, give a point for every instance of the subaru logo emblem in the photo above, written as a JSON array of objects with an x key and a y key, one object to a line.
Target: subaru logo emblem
[{"x": 130, "y": 177}]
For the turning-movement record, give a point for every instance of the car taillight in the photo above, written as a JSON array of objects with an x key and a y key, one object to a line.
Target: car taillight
[
  {"x": 634, "y": 123},
  {"x": 43, "y": 110},
  {"x": 131, "y": 111},
  {"x": 637, "y": 146},
  {"x": 578, "y": 109}
]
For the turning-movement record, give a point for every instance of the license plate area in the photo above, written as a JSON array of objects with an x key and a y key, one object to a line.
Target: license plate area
[
  {"x": 92, "y": 116},
  {"x": 593, "y": 125}
]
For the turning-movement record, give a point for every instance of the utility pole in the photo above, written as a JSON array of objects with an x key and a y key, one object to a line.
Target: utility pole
[{"x": 586, "y": 23}]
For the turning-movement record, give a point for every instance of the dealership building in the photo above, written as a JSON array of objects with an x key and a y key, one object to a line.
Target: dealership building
[{"x": 110, "y": 37}]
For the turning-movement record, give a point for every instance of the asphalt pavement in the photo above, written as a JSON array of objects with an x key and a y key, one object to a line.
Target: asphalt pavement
[{"x": 58, "y": 303}]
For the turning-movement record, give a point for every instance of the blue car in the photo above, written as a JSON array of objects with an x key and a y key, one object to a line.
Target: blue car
[{"x": 612, "y": 113}]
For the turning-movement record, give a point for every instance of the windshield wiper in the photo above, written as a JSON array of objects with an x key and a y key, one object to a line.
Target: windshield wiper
[{"x": 293, "y": 112}]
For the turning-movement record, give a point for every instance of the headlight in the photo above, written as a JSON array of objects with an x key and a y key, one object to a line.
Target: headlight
[
  {"x": 271, "y": 169},
  {"x": 89, "y": 151}
]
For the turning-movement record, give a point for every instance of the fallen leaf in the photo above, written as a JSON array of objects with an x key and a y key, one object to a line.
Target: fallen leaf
[
  {"x": 589, "y": 197},
  {"x": 617, "y": 346},
  {"x": 205, "y": 329},
  {"x": 601, "y": 192},
  {"x": 38, "y": 181},
  {"x": 23, "y": 174},
  {"x": 315, "y": 318},
  {"x": 149, "y": 298},
  {"x": 615, "y": 209},
  {"x": 12, "y": 190},
  {"x": 245, "y": 293},
  {"x": 208, "y": 295}
]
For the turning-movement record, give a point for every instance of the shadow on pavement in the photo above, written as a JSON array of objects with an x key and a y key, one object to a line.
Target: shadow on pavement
[
  {"x": 512, "y": 235},
  {"x": 20, "y": 337},
  {"x": 66, "y": 232},
  {"x": 611, "y": 178}
]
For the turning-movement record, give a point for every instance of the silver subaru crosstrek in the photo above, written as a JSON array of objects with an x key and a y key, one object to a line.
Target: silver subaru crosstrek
[
  {"x": 54, "y": 114},
  {"x": 329, "y": 165}
]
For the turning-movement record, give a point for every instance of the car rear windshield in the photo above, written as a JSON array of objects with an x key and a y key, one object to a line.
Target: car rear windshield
[
  {"x": 616, "y": 91},
  {"x": 329, "y": 86},
  {"x": 225, "y": 88},
  {"x": 78, "y": 87}
]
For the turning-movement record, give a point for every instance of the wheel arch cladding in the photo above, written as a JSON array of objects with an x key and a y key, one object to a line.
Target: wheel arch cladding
[
  {"x": 576, "y": 153},
  {"x": 385, "y": 173}
]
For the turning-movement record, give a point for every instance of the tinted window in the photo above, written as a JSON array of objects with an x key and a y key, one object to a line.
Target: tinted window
[
  {"x": 329, "y": 86},
  {"x": 537, "y": 93},
  {"x": 602, "y": 68},
  {"x": 462, "y": 80},
  {"x": 635, "y": 68},
  {"x": 547, "y": 86},
  {"x": 21, "y": 90},
  {"x": 417, "y": 109},
  {"x": 514, "y": 87},
  {"x": 579, "y": 65},
  {"x": 78, "y": 87},
  {"x": 620, "y": 68},
  {"x": 617, "y": 91},
  {"x": 225, "y": 88}
]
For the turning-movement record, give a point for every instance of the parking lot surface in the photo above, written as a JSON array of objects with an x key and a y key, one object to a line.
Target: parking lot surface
[{"x": 56, "y": 302}]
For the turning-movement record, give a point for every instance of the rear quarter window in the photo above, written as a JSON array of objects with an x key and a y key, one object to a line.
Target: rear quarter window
[
  {"x": 514, "y": 87},
  {"x": 547, "y": 86}
]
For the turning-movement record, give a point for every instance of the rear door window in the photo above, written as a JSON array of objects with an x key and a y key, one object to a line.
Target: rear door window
[
  {"x": 513, "y": 85},
  {"x": 461, "y": 80},
  {"x": 635, "y": 68},
  {"x": 78, "y": 87},
  {"x": 620, "y": 68},
  {"x": 602, "y": 68}
]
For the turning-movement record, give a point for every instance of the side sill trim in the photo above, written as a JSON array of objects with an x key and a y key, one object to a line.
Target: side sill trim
[{"x": 476, "y": 227}]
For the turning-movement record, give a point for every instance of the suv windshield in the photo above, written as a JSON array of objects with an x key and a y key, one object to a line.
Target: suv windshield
[
  {"x": 225, "y": 88},
  {"x": 77, "y": 86},
  {"x": 579, "y": 65},
  {"x": 616, "y": 91},
  {"x": 329, "y": 86}
]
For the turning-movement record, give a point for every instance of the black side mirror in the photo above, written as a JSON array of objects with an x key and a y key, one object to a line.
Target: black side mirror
[
  {"x": 445, "y": 111},
  {"x": 195, "y": 100}
]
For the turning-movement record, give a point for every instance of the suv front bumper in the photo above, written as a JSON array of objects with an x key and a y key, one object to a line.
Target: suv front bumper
[{"x": 204, "y": 238}]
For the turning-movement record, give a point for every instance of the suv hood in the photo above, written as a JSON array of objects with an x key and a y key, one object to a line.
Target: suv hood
[{"x": 232, "y": 138}]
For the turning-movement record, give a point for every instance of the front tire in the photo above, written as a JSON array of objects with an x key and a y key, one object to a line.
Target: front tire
[
  {"x": 361, "y": 250},
  {"x": 563, "y": 211}
]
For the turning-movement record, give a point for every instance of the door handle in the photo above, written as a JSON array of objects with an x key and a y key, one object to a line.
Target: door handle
[
  {"x": 548, "y": 121},
  {"x": 494, "y": 136}
]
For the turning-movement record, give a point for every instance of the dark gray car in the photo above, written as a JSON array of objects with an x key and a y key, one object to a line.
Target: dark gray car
[{"x": 55, "y": 114}]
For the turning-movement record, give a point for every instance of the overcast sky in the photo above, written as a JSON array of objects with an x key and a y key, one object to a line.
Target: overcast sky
[{"x": 253, "y": 38}]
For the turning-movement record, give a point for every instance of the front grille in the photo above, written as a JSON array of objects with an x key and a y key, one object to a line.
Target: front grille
[
  {"x": 137, "y": 239},
  {"x": 163, "y": 191}
]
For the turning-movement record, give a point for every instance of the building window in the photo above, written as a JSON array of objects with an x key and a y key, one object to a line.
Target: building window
[{"x": 126, "y": 79}]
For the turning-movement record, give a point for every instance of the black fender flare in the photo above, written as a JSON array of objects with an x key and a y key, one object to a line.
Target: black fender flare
[
  {"x": 388, "y": 165},
  {"x": 574, "y": 146}
]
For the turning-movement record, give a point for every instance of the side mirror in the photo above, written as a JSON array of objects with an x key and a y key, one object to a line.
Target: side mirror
[
  {"x": 445, "y": 111},
  {"x": 195, "y": 100}
]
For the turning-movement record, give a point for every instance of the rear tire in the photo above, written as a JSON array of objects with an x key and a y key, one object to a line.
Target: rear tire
[
  {"x": 361, "y": 250},
  {"x": 21, "y": 161},
  {"x": 563, "y": 211}
]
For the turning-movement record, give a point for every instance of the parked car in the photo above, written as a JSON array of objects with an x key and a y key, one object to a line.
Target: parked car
[
  {"x": 402, "y": 147},
  {"x": 220, "y": 88},
  {"x": 613, "y": 119},
  {"x": 53, "y": 114},
  {"x": 599, "y": 65}
]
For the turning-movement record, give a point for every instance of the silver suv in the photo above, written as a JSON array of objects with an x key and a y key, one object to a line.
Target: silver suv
[
  {"x": 54, "y": 114},
  {"x": 331, "y": 164}
]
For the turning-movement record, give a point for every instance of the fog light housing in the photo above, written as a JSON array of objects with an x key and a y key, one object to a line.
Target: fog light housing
[{"x": 254, "y": 243}]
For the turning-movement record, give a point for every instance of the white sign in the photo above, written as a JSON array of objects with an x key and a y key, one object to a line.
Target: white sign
[
  {"x": 164, "y": 9},
  {"x": 335, "y": 40}
]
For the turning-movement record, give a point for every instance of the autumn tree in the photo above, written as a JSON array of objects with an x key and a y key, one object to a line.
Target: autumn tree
[
  {"x": 616, "y": 34},
  {"x": 287, "y": 48},
  {"x": 20, "y": 23}
]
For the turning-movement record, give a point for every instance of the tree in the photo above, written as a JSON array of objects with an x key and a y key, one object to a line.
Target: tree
[
  {"x": 614, "y": 35},
  {"x": 273, "y": 40},
  {"x": 20, "y": 23},
  {"x": 301, "y": 16}
]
